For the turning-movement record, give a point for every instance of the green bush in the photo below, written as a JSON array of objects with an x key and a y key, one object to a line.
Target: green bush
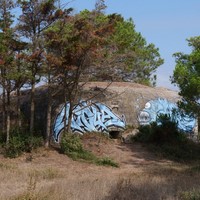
[
  {"x": 161, "y": 132},
  {"x": 144, "y": 134},
  {"x": 164, "y": 138},
  {"x": 21, "y": 142},
  {"x": 71, "y": 145},
  {"x": 107, "y": 162}
]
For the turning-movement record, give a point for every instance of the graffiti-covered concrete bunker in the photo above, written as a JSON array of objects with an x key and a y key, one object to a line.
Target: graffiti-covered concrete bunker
[
  {"x": 88, "y": 116},
  {"x": 121, "y": 104}
]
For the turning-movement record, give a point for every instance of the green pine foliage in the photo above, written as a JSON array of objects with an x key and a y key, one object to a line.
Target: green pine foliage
[{"x": 187, "y": 77}]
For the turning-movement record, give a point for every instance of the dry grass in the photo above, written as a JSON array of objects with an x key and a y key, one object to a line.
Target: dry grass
[
  {"x": 156, "y": 183},
  {"x": 53, "y": 176}
]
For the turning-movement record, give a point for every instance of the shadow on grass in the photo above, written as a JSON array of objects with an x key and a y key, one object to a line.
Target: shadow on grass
[{"x": 156, "y": 185}]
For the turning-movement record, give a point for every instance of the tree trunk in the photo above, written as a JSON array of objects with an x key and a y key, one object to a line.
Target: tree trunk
[
  {"x": 8, "y": 118},
  {"x": 48, "y": 129},
  {"x": 70, "y": 116},
  {"x": 19, "y": 120},
  {"x": 198, "y": 128},
  {"x": 4, "y": 111},
  {"x": 3, "y": 101},
  {"x": 49, "y": 110},
  {"x": 65, "y": 114},
  {"x": 32, "y": 107},
  {"x": 65, "y": 108},
  {"x": 73, "y": 98}
]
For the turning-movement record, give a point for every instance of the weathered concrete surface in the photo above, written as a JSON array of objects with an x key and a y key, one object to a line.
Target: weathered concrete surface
[{"x": 126, "y": 98}]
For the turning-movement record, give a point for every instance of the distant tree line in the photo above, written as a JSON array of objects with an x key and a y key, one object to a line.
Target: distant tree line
[{"x": 66, "y": 49}]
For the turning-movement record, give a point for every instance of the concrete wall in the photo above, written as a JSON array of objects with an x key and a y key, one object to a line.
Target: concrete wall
[{"x": 128, "y": 98}]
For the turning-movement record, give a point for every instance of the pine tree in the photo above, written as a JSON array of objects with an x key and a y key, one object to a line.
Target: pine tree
[
  {"x": 7, "y": 60},
  {"x": 37, "y": 15}
]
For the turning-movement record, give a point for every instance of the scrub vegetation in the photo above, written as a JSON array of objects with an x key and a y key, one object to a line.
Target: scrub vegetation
[
  {"x": 71, "y": 145},
  {"x": 165, "y": 139}
]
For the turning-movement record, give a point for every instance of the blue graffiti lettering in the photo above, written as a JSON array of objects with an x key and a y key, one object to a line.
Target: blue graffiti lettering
[
  {"x": 87, "y": 117},
  {"x": 159, "y": 106}
]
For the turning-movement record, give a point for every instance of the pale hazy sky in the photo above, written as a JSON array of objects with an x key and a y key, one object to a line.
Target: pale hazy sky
[{"x": 166, "y": 23}]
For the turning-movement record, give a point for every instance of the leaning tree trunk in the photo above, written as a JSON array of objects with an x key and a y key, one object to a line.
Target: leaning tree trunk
[
  {"x": 72, "y": 100},
  {"x": 70, "y": 115},
  {"x": 65, "y": 101}
]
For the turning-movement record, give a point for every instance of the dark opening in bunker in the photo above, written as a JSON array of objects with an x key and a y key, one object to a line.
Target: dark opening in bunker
[{"x": 115, "y": 134}]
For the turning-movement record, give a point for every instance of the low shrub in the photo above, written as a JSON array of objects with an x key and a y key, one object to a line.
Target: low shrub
[
  {"x": 21, "y": 142},
  {"x": 161, "y": 132},
  {"x": 166, "y": 139},
  {"x": 2, "y": 138},
  {"x": 143, "y": 135},
  {"x": 107, "y": 162},
  {"x": 71, "y": 145}
]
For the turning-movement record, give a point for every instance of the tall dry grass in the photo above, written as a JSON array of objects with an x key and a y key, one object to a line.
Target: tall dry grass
[
  {"x": 28, "y": 182},
  {"x": 156, "y": 184}
]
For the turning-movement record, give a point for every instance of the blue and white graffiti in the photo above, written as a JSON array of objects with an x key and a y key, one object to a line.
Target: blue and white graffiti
[
  {"x": 159, "y": 106},
  {"x": 87, "y": 117}
]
